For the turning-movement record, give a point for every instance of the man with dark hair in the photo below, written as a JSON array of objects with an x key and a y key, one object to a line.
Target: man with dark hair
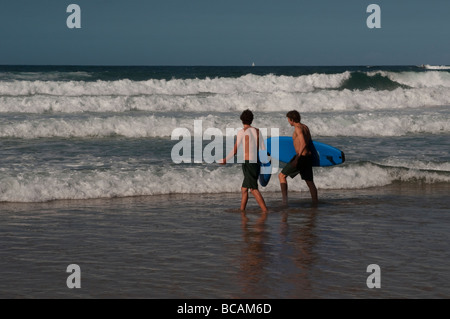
[
  {"x": 302, "y": 161},
  {"x": 294, "y": 116},
  {"x": 247, "y": 117},
  {"x": 249, "y": 136}
]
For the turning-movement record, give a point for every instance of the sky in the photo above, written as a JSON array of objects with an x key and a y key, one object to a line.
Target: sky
[{"x": 225, "y": 32}]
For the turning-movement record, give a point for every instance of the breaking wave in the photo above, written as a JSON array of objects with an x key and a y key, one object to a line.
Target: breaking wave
[
  {"x": 363, "y": 124},
  {"x": 345, "y": 91},
  {"x": 200, "y": 179}
]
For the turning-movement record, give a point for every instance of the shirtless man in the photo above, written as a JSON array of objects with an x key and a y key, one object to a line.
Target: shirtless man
[
  {"x": 302, "y": 161},
  {"x": 249, "y": 136}
]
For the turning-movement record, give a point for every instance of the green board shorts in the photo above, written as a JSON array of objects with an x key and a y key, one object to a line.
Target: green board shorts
[
  {"x": 304, "y": 167},
  {"x": 251, "y": 173}
]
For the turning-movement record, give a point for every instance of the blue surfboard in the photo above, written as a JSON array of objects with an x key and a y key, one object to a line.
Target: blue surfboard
[
  {"x": 323, "y": 154},
  {"x": 265, "y": 168}
]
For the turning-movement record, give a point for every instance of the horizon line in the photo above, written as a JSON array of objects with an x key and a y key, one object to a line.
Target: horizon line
[{"x": 212, "y": 65}]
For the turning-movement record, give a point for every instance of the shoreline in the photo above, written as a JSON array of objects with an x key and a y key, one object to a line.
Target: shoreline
[{"x": 397, "y": 188}]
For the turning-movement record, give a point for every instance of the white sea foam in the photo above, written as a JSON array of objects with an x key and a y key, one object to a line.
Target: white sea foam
[
  {"x": 417, "y": 164},
  {"x": 322, "y": 101},
  {"x": 436, "y": 67},
  {"x": 44, "y": 76},
  {"x": 419, "y": 79},
  {"x": 123, "y": 96},
  {"x": 247, "y": 83},
  {"x": 368, "y": 124},
  {"x": 363, "y": 124},
  {"x": 200, "y": 179}
]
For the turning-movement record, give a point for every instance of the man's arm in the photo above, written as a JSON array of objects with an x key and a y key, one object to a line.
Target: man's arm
[
  {"x": 230, "y": 155},
  {"x": 235, "y": 149}
]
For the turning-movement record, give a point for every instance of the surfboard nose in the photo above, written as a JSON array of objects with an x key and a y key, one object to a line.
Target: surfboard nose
[{"x": 343, "y": 157}]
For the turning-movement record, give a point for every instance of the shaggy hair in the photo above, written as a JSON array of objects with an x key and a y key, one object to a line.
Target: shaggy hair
[
  {"x": 247, "y": 117},
  {"x": 294, "y": 116}
]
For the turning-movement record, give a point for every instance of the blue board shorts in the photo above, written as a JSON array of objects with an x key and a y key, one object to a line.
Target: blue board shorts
[{"x": 304, "y": 167}]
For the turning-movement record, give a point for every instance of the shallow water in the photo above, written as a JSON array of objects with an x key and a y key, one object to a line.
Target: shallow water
[{"x": 201, "y": 246}]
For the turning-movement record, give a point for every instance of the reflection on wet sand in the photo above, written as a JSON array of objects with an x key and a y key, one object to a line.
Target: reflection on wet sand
[
  {"x": 299, "y": 240},
  {"x": 278, "y": 261},
  {"x": 253, "y": 258}
]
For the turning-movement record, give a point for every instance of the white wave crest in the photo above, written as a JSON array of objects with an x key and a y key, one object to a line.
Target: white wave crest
[
  {"x": 317, "y": 101},
  {"x": 436, "y": 67},
  {"x": 60, "y": 184},
  {"x": 247, "y": 83},
  {"x": 363, "y": 124},
  {"x": 432, "y": 79}
]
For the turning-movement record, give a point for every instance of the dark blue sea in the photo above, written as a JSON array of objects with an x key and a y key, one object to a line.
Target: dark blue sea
[{"x": 87, "y": 177}]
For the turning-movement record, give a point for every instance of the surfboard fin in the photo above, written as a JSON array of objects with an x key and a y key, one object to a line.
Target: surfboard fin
[{"x": 330, "y": 158}]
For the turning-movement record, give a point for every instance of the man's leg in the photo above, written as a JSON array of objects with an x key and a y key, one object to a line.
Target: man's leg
[
  {"x": 284, "y": 187},
  {"x": 244, "y": 199},
  {"x": 259, "y": 199},
  {"x": 313, "y": 191}
]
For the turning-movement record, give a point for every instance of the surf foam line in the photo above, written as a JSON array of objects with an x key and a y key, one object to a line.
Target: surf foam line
[
  {"x": 361, "y": 124},
  {"x": 430, "y": 79},
  {"x": 36, "y": 186},
  {"x": 247, "y": 83},
  {"x": 317, "y": 101},
  {"x": 270, "y": 83}
]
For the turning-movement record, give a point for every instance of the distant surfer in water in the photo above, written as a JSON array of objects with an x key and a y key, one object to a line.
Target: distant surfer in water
[
  {"x": 250, "y": 136},
  {"x": 302, "y": 161}
]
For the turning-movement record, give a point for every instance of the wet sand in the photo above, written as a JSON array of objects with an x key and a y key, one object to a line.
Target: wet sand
[{"x": 202, "y": 246}]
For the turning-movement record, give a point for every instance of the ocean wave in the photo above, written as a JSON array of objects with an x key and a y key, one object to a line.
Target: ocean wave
[
  {"x": 269, "y": 93},
  {"x": 416, "y": 164},
  {"x": 436, "y": 67},
  {"x": 362, "y": 124},
  {"x": 431, "y": 79},
  {"x": 320, "y": 101},
  {"x": 248, "y": 83},
  {"x": 197, "y": 179},
  {"x": 384, "y": 124},
  {"x": 44, "y": 76}
]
